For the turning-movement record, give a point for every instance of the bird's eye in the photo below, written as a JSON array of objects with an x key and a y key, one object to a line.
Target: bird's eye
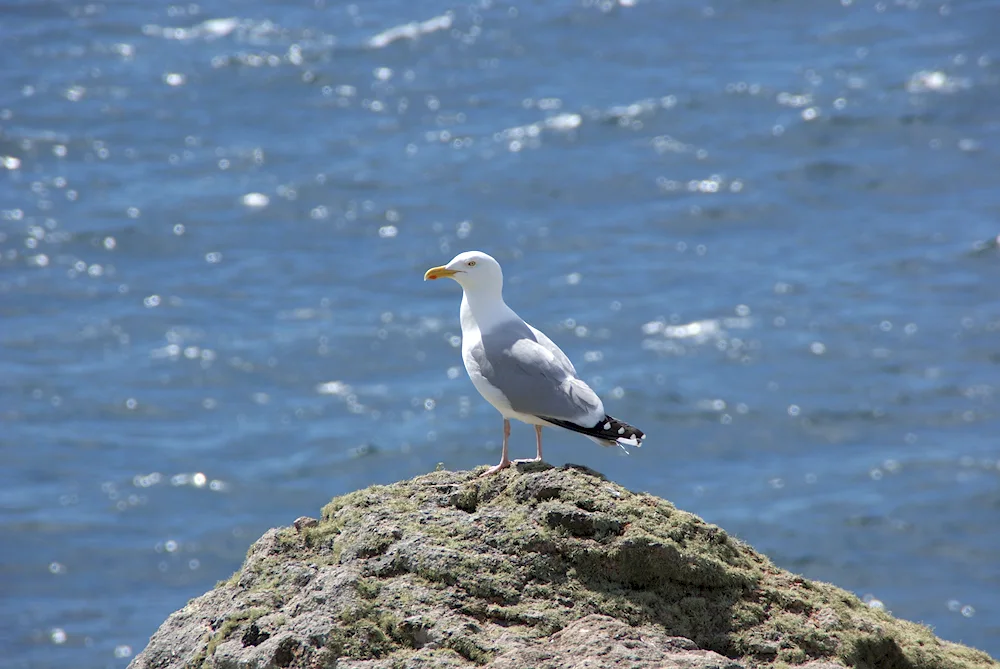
[{"x": 471, "y": 263}]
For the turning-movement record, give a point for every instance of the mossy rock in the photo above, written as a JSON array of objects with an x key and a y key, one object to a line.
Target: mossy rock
[{"x": 536, "y": 566}]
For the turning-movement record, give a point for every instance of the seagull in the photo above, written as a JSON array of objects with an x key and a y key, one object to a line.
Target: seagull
[{"x": 519, "y": 370}]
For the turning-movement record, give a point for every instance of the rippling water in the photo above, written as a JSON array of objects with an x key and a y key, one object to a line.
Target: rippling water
[{"x": 766, "y": 232}]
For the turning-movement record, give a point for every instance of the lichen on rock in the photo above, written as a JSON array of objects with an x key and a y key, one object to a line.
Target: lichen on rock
[{"x": 535, "y": 567}]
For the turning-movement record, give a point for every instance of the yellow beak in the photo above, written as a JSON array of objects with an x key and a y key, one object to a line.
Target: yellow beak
[{"x": 438, "y": 273}]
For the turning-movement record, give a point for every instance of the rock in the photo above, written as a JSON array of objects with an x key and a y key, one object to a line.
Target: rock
[
  {"x": 535, "y": 567},
  {"x": 601, "y": 641},
  {"x": 303, "y": 522}
]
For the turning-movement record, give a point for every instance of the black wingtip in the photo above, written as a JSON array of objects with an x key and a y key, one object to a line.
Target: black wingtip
[{"x": 610, "y": 429}]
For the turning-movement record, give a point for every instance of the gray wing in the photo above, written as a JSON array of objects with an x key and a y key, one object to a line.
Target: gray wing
[
  {"x": 542, "y": 339},
  {"x": 533, "y": 378}
]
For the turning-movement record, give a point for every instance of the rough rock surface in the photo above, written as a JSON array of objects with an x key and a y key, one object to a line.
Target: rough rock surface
[{"x": 535, "y": 567}]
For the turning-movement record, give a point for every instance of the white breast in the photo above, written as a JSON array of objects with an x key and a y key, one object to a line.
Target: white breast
[{"x": 470, "y": 338}]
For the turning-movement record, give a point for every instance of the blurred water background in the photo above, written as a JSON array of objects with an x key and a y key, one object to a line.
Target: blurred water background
[{"x": 765, "y": 232}]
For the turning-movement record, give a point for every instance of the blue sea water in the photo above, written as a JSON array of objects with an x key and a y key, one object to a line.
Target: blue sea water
[{"x": 765, "y": 231}]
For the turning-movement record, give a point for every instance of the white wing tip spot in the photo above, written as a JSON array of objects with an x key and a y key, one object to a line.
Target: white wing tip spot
[
  {"x": 621, "y": 430},
  {"x": 607, "y": 426}
]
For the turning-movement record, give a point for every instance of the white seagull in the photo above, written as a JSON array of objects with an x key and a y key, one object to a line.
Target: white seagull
[{"x": 517, "y": 368}]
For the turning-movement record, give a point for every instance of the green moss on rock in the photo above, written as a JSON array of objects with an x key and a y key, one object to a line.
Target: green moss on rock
[{"x": 451, "y": 570}]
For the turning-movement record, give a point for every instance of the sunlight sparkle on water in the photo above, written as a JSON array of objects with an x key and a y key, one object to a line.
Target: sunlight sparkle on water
[
  {"x": 873, "y": 602},
  {"x": 256, "y": 200}
]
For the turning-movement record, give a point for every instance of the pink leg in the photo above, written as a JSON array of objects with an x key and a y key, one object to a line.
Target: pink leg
[
  {"x": 504, "y": 460},
  {"x": 538, "y": 447}
]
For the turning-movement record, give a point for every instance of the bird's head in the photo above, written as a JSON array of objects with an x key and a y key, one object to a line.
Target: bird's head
[{"x": 474, "y": 270}]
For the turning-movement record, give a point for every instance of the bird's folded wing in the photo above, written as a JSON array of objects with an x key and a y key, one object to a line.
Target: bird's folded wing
[
  {"x": 535, "y": 381},
  {"x": 551, "y": 347}
]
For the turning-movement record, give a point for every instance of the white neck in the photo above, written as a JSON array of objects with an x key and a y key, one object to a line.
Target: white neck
[{"x": 487, "y": 308}]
